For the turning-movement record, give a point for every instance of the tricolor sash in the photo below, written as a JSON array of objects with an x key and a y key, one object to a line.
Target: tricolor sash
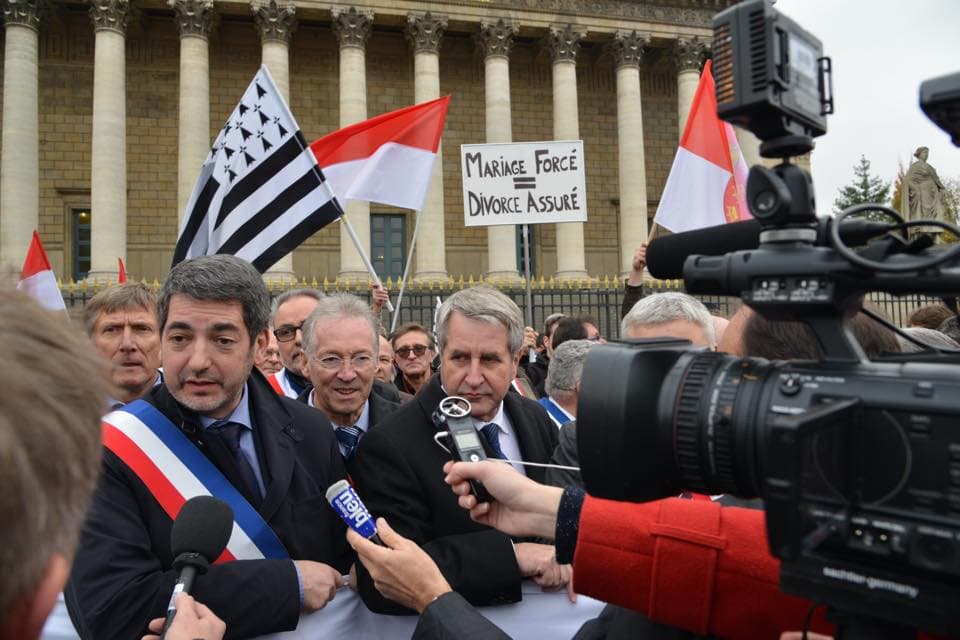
[
  {"x": 174, "y": 470},
  {"x": 556, "y": 412}
]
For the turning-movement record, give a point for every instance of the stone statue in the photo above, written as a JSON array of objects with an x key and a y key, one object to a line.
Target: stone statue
[{"x": 922, "y": 193}]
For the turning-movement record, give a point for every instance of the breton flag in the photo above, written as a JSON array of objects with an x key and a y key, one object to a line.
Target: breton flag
[
  {"x": 388, "y": 159},
  {"x": 708, "y": 179},
  {"x": 37, "y": 279},
  {"x": 260, "y": 193}
]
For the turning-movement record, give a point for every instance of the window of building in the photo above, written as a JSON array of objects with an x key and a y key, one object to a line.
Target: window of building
[
  {"x": 521, "y": 265},
  {"x": 388, "y": 244},
  {"x": 80, "y": 243}
]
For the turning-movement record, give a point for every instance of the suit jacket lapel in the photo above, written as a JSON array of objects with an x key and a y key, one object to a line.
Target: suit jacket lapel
[
  {"x": 532, "y": 447},
  {"x": 277, "y": 440}
]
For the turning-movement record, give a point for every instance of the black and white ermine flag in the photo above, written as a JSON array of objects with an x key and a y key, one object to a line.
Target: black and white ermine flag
[{"x": 260, "y": 192}]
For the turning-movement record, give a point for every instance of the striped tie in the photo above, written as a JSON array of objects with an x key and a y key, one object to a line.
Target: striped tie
[{"x": 348, "y": 437}]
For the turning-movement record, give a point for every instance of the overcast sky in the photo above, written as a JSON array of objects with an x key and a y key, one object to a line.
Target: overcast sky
[{"x": 882, "y": 50}]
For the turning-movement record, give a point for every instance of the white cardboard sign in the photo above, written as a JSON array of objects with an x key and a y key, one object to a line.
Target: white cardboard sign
[{"x": 523, "y": 183}]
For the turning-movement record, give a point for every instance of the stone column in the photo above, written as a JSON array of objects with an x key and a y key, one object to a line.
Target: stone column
[
  {"x": 424, "y": 33},
  {"x": 688, "y": 56},
  {"x": 496, "y": 38},
  {"x": 276, "y": 22},
  {"x": 627, "y": 49},
  {"x": 108, "y": 184},
  {"x": 563, "y": 44},
  {"x": 20, "y": 159},
  {"x": 352, "y": 28},
  {"x": 194, "y": 17}
]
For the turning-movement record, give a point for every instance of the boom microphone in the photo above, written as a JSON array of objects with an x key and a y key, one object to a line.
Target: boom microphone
[
  {"x": 666, "y": 255},
  {"x": 198, "y": 537},
  {"x": 351, "y": 510}
]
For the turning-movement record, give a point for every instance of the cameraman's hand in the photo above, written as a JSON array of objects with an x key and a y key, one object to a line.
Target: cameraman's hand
[
  {"x": 529, "y": 340},
  {"x": 639, "y": 264},
  {"x": 521, "y": 506}
]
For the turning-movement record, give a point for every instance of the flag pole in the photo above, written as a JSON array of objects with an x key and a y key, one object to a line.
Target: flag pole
[
  {"x": 406, "y": 271},
  {"x": 363, "y": 254}
]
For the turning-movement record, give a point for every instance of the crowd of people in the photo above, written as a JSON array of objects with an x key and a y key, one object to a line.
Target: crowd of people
[{"x": 208, "y": 386}]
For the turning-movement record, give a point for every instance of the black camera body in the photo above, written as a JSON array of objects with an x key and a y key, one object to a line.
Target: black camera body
[{"x": 858, "y": 461}]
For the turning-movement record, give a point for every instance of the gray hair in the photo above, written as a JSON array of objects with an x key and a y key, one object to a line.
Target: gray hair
[
  {"x": 290, "y": 295},
  {"x": 931, "y": 337},
  {"x": 566, "y": 366},
  {"x": 342, "y": 306},
  {"x": 486, "y": 305},
  {"x": 661, "y": 308},
  {"x": 219, "y": 278}
]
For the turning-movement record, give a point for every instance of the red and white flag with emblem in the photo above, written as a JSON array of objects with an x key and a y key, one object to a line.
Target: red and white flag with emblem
[{"x": 708, "y": 179}]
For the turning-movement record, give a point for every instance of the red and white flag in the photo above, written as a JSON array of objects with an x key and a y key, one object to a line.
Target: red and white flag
[
  {"x": 388, "y": 159},
  {"x": 708, "y": 180},
  {"x": 37, "y": 279}
]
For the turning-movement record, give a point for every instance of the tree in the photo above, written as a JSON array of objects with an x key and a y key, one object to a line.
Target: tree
[{"x": 865, "y": 188}]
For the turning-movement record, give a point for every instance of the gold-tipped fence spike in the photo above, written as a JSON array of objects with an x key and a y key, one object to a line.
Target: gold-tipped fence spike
[
  {"x": 470, "y": 281},
  {"x": 460, "y": 282},
  {"x": 551, "y": 282},
  {"x": 388, "y": 284},
  {"x": 326, "y": 283},
  {"x": 156, "y": 285},
  {"x": 313, "y": 283},
  {"x": 580, "y": 282},
  {"x": 543, "y": 282},
  {"x": 606, "y": 281}
]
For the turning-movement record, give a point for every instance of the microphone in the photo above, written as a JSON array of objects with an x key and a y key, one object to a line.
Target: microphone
[
  {"x": 666, "y": 255},
  {"x": 198, "y": 537},
  {"x": 351, "y": 510}
]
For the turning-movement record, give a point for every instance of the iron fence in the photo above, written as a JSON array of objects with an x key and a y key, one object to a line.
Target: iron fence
[{"x": 600, "y": 299}]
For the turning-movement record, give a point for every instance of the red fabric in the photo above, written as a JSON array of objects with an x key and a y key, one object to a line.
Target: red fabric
[
  {"x": 275, "y": 384},
  {"x": 417, "y": 126},
  {"x": 704, "y": 134},
  {"x": 121, "y": 271},
  {"x": 687, "y": 563},
  {"x": 36, "y": 259}
]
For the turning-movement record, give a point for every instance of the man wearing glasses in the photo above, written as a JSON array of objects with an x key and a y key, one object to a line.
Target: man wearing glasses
[
  {"x": 413, "y": 352},
  {"x": 340, "y": 350},
  {"x": 290, "y": 310}
]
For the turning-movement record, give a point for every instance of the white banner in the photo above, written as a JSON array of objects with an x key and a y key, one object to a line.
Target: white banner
[
  {"x": 523, "y": 182},
  {"x": 538, "y": 615}
]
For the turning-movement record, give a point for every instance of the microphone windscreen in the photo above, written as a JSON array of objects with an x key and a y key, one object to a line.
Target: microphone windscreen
[
  {"x": 666, "y": 254},
  {"x": 203, "y": 526}
]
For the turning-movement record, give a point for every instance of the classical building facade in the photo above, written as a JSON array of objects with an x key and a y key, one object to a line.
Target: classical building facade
[{"x": 110, "y": 106}]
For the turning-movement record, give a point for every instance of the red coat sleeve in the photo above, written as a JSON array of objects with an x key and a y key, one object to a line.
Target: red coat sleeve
[{"x": 690, "y": 564}]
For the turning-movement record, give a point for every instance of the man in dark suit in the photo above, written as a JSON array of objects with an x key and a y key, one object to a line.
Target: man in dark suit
[
  {"x": 398, "y": 470},
  {"x": 340, "y": 349},
  {"x": 213, "y": 315}
]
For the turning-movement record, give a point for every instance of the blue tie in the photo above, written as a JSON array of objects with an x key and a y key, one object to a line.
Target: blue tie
[
  {"x": 229, "y": 433},
  {"x": 348, "y": 437},
  {"x": 492, "y": 433}
]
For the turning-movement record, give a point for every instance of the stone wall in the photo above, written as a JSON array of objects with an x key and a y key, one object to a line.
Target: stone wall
[{"x": 66, "y": 81}]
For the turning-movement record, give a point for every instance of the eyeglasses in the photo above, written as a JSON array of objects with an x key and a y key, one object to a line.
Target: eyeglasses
[
  {"x": 335, "y": 363},
  {"x": 418, "y": 350},
  {"x": 287, "y": 332}
]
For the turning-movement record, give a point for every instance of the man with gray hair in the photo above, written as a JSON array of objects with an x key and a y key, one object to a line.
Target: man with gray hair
[
  {"x": 563, "y": 380},
  {"x": 670, "y": 315},
  {"x": 399, "y": 466},
  {"x": 214, "y": 426},
  {"x": 340, "y": 348},
  {"x": 288, "y": 313}
]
